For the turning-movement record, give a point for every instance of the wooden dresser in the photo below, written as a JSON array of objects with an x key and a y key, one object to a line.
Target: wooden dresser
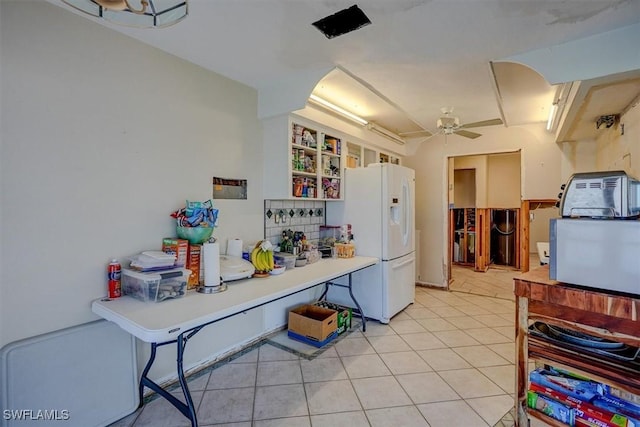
[{"x": 586, "y": 310}]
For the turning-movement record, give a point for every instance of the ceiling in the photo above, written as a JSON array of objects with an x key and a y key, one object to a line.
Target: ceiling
[{"x": 416, "y": 56}]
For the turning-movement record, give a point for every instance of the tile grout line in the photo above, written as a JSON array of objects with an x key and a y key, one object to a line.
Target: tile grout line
[{"x": 446, "y": 303}]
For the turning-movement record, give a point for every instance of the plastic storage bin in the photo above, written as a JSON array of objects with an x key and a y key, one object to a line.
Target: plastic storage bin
[
  {"x": 155, "y": 286},
  {"x": 329, "y": 234},
  {"x": 286, "y": 259}
]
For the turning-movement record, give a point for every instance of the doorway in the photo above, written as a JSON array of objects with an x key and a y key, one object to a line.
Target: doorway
[
  {"x": 463, "y": 221},
  {"x": 484, "y": 214}
]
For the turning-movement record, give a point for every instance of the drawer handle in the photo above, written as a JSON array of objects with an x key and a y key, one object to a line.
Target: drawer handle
[{"x": 402, "y": 264}]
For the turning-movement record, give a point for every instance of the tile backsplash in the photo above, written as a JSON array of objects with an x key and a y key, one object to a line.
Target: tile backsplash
[{"x": 298, "y": 215}]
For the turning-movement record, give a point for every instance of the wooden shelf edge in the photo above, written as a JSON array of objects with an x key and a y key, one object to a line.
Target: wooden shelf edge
[
  {"x": 541, "y": 203},
  {"x": 583, "y": 369}
]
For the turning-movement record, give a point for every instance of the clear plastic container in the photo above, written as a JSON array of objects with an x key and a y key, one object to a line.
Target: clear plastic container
[
  {"x": 155, "y": 286},
  {"x": 286, "y": 259}
]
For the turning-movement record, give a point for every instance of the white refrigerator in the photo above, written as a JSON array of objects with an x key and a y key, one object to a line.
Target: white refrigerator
[{"x": 379, "y": 205}]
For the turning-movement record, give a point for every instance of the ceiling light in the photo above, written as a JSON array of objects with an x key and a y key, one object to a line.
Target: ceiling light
[
  {"x": 551, "y": 121},
  {"x": 134, "y": 13},
  {"x": 341, "y": 111},
  {"x": 385, "y": 133},
  {"x": 557, "y": 107}
]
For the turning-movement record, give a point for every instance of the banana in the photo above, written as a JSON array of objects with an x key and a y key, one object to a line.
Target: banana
[
  {"x": 271, "y": 261},
  {"x": 265, "y": 259},
  {"x": 259, "y": 263},
  {"x": 262, "y": 259},
  {"x": 254, "y": 257}
]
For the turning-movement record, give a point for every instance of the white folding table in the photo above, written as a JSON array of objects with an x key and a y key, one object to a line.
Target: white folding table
[{"x": 176, "y": 321}]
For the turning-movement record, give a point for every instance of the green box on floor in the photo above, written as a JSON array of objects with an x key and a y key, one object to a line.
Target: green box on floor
[{"x": 345, "y": 315}]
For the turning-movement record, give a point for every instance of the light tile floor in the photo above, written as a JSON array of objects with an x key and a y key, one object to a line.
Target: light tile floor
[
  {"x": 446, "y": 360},
  {"x": 497, "y": 281}
]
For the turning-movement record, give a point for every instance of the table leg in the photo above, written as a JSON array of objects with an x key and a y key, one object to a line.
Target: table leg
[
  {"x": 362, "y": 316},
  {"x": 187, "y": 410},
  {"x": 353, "y": 298},
  {"x": 144, "y": 378},
  {"x": 183, "y": 383},
  {"x": 324, "y": 293}
]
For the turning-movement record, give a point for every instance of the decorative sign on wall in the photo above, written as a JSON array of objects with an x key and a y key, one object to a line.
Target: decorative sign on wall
[{"x": 224, "y": 188}]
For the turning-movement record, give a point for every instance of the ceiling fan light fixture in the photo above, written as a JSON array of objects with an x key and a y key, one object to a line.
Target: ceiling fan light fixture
[
  {"x": 134, "y": 13},
  {"x": 448, "y": 123}
]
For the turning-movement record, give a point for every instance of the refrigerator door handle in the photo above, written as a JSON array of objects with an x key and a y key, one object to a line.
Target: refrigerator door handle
[
  {"x": 403, "y": 263},
  {"x": 406, "y": 220}
]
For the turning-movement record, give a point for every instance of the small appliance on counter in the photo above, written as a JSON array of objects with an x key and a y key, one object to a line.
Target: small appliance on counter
[
  {"x": 235, "y": 268},
  {"x": 611, "y": 194},
  {"x": 329, "y": 235},
  {"x": 597, "y": 241}
]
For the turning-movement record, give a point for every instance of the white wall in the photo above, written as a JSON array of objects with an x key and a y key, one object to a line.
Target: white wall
[
  {"x": 503, "y": 181},
  {"x": 621, "y": 152},
  {"x": 540, "y": 177},
  {"x": 102, "y": 137},
  {"x": 578, "y": 156},
  {"x": 479, "y": 165},
  {"x": 464, "y": 188},
  {"x": 539, "y": 226}
]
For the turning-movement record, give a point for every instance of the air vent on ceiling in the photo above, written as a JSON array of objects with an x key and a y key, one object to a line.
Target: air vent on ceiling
[{"x": 342, "y": 22}]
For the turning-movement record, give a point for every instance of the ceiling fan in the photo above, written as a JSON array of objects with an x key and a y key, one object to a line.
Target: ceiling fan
[{"x": 449, "y": 124}]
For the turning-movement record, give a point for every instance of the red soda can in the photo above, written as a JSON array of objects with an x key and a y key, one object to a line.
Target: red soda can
[{"x": 113, "y": 273}]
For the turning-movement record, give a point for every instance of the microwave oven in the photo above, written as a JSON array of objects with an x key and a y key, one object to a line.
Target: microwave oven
[{"x": 596, "y": 253}]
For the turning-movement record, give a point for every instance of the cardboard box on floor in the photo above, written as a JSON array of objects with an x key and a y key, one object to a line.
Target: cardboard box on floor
[
  {"x": 315, "y": 323},
  {"x": 345, "y": 315}
]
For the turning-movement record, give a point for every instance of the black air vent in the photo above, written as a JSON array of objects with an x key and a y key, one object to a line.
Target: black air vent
[
  {"x": 342, "y": 22},
  {"x": 611, "y": 183}
]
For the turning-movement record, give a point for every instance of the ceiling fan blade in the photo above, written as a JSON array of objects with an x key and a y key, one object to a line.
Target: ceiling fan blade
[
  {"x": 467, "y": 134},
  {"x": 491, "y": 122},
  {"x": 416, "y": 134}
]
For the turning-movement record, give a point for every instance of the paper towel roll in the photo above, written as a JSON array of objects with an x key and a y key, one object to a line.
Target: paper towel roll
[
  {"x": 211, "y": 260},
  {"x": 234, "y": 247}
]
